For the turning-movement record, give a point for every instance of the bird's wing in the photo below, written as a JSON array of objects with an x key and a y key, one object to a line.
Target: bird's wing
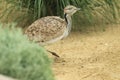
[{"x": 46, "y": 29}]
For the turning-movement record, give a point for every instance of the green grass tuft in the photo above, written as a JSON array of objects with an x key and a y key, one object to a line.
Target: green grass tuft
[
  {"x": 26, "y": 12},
  {"x": 20, "y": 58}
]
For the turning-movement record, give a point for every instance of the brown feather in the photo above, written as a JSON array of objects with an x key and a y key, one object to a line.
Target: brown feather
[{"x": 46, "y": 29}]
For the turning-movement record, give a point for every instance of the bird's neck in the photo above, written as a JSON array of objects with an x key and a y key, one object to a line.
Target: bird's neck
[{"x": 69, "y": 22}]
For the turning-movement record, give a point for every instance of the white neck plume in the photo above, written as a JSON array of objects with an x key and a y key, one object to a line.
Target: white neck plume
[{"x": 69, "y": 24}]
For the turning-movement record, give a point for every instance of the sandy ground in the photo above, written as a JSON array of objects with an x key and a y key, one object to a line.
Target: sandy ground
[
  {"x": 90, "y": 55},
  {"x": 93, "y": 55}
]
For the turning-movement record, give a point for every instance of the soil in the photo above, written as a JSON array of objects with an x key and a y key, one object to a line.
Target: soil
[
  {"x": 92, "y": 55},
  {"x": 89, "y": 55}
]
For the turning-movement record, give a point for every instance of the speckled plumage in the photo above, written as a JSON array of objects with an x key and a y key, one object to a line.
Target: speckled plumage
[
  {"x": 49, "y": 29},
  {"x": 46, "y": 29}
]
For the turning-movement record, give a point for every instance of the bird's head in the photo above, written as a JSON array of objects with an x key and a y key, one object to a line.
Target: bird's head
[{"x": 70, "y": 10}]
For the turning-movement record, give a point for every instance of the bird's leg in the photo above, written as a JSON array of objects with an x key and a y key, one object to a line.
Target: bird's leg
[{"x": 53, "y": 53}]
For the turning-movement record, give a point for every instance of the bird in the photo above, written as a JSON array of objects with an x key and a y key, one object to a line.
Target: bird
[{"x": 50, "y": 29}]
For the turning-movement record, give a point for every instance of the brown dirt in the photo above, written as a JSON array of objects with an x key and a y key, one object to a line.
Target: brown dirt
[{"x": 88, "y": 56}]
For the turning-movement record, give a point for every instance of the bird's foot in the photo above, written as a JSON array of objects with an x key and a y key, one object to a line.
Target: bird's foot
[{"x": 53, "y": 53}]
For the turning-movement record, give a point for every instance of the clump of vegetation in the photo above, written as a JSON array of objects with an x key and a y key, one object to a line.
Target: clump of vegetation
[
  {"x": 20, "y": 58},
  {"x": 108, "y": 11}
]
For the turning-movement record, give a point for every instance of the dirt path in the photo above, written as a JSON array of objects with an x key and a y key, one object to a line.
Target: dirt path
[{"x": 88, "y": 56}]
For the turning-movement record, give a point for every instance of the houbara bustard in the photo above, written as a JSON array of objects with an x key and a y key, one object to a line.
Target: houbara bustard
[{"x": 50, "y": 29}]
